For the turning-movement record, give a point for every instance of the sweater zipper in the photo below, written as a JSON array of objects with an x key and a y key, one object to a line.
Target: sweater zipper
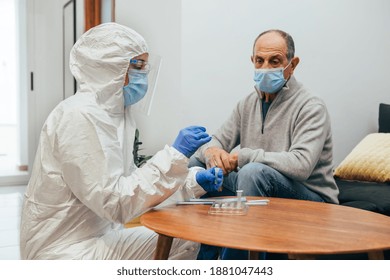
[
  {"x": 269, "y": 108},
  {"x": 262, "y": 125},
  {"x": 263, "y": 118}
]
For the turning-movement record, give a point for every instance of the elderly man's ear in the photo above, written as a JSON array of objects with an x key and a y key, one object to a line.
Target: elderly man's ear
[
  {"x": 290, "y": 69},
  {"x": 294, "y": 62}
]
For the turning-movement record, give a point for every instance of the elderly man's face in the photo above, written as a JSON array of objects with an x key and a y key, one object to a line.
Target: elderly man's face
[{"x": 270, "y": 51}]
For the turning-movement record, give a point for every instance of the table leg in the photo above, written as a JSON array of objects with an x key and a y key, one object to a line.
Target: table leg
[
  {"x": 163, "y": 248},
  {"x": 375, "y": 255},
  {"x": 253, "y": 255},
  {"x": 301, "y": 257}
]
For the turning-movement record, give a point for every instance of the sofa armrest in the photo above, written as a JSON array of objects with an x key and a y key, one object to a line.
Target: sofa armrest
[{"x": 384, "y": 118}]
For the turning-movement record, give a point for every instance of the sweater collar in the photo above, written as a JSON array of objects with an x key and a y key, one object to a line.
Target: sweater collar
[{"x": 288, "y": 90}]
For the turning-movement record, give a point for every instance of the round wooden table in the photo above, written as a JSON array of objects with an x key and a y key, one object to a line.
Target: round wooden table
[{"x": 302, "y": 229}]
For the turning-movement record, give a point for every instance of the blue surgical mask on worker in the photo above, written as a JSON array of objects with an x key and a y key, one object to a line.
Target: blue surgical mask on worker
[
  {"x": 270, "y": 80},
  {"x": 137, "y": 87}
]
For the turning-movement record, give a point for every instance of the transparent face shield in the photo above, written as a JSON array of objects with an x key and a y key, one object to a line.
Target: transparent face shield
[{"x": 144, "y": 106}]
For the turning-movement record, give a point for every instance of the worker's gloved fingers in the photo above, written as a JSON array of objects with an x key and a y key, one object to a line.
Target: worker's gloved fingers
[
  {"x": 210, "y": 180},
  {"x": 190, "y": 139},
  {"x": 202, "y": 141},
  {"x": 195, "y": 128},
  {"x": 199, "y": 135}
]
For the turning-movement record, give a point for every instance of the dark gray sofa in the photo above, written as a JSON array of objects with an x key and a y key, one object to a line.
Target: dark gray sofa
[
  {"x": 365, "y": 195},
  {"x": 368, "y": 195}
]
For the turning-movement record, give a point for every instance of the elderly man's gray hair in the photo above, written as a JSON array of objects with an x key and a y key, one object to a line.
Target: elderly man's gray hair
[{"x": 287, "y": 37}]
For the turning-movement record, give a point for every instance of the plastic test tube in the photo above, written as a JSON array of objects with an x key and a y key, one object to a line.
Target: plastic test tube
[
  {"x": 216, "y": 170},
  {"x": 239, "y": 194},
  {"x": 216, "y": 177}
]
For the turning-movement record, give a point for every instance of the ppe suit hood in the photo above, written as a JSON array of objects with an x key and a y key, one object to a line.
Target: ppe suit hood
[{"x": 99, "y": 61}]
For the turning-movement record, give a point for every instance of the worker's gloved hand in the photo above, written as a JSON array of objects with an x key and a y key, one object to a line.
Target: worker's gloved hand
[
  {"x": 208, "y": 180},
  {"x": 190, "y": 139}
]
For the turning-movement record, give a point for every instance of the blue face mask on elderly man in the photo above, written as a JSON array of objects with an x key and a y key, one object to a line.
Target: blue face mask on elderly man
[
  {"x": 137, "y": 87},
  {"x": 270, "y": 80}
]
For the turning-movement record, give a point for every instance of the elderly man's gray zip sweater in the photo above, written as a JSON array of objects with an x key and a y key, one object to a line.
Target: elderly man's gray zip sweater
[{"x": 295, "y": 137}]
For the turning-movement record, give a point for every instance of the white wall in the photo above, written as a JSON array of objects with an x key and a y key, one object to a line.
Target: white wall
[
  {"x": 159, "y": 22},
  {"x": 206, "y": 47},
  {"x": 22, "y": 87}
]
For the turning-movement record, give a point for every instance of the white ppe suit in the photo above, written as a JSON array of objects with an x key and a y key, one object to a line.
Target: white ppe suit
[{"x": 84, "y": 185}]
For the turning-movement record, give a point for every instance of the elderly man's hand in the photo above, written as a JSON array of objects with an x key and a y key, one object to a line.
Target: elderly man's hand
[
  {"x": 218, "y": 157},
  {"x": 233, "y": 159}
]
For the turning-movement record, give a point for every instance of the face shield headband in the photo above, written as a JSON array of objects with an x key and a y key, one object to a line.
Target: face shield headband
[{"x": 150, "y": 76}]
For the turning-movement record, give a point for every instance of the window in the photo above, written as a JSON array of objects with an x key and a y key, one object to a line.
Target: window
[{"x": 10, "y": 89}]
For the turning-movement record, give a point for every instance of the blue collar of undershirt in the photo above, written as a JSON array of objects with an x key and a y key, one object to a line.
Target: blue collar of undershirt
[{"x": 265, "y": 107}]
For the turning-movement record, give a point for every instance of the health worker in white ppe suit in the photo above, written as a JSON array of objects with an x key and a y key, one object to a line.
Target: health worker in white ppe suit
[{"x": 84, "y": 185}]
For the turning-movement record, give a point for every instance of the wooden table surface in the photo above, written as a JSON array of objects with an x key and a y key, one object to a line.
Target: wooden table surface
[{"x": 295, "y": 227}]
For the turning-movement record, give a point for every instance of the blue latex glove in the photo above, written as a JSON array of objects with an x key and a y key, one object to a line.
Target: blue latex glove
[
  {"x": 190, "y": 139},
  {"x": 208, "y": 180}
]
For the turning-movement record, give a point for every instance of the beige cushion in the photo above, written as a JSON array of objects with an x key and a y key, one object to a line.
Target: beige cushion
[{"x": 368, "y": 161}]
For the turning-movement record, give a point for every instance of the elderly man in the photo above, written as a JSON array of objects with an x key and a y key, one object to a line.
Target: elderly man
[{"x": 277, "y": 142}]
